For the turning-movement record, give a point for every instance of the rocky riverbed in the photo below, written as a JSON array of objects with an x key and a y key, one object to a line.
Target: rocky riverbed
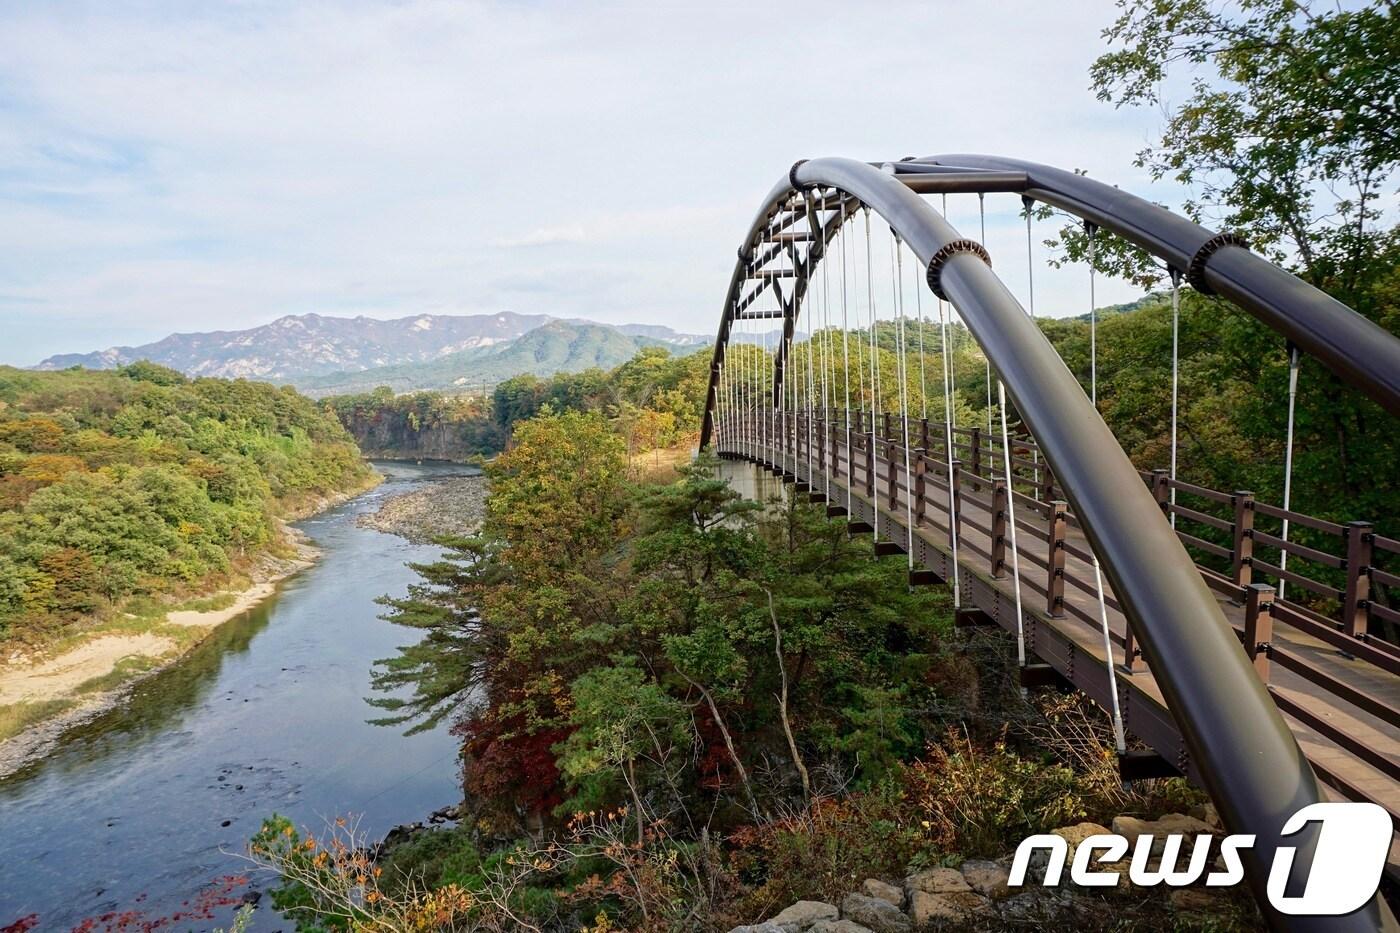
[{"x": 450, "y": 506}]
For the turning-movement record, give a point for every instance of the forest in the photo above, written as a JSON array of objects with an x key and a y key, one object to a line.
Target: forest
[
  {"x": 139, "y": 483},
  {"x": 654, "y": 399},
  {"x": 681, "y": 710}
]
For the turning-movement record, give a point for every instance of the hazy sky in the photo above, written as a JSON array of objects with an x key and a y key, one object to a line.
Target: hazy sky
[{"x": 175, "y": 167}]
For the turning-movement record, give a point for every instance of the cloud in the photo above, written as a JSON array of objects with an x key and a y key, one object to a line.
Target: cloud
[
  {"x": 544, "y": 236},
  {"x": 220, "y": 165}
]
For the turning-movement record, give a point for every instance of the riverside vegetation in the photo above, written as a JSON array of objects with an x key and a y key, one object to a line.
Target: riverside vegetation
[{"x": 128, "y": 493}]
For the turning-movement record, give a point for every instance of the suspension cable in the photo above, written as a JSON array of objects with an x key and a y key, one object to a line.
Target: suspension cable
[
  {"x": 1120, "y": 744},
  {"x": 948, "y": 451},
  {"x": 874, "y": 377},
  {"x": 1176, "y": 370},
  {"x": 1118, "y": 739},
  {"x": 1011, "y": 525},
  {"x": 1294, "y": 361},
  {"x": 826, "y": 360},
  {"x": 982, "y": 216},
  {"x": 846, "y": 364},
  {"x": 1030, "y": 258},
  {"x": 1093, "y": 323},
  {"x": 897, "y": 248},
  {"x": 947, "y": 349}
]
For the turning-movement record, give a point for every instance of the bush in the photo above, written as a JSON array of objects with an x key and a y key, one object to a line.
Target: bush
[{"x": 983, "y": 800}]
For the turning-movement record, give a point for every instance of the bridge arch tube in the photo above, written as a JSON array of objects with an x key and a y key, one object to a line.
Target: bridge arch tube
[
  {"x": 1356, "y": 349},
  {"x": 1245, "y": 752}
]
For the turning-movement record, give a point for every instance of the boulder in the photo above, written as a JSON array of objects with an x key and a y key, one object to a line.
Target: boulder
[
  {"x": 1073, "y": 836},
  {"x": 936, "y": 881},
  {"x": 803, "y": 914},
  {"x": 1131, "y": 827},
  {"x": 839, "y": 926},
  {"x": 986, "y": 877},
  {"x": 874, "y": 887},
  {"x": 955, "y": 905},
  {"x": 761, "y": 928},
  {"x": 1181, "y": 823},
  {"x": 1077, "y": 833},
  {"x": 879, "y": 916}
]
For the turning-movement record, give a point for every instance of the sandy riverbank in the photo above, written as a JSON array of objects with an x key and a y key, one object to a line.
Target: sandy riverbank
[{"x": 77, "y": 685}]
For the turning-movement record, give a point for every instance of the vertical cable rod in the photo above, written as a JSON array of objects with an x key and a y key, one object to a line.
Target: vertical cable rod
[
  {"x": 948, "y": 451},
  {"x": 1294, "y": 361},
  {"x": 897, "y": 249},
  {"x": 874, "y": 376},
  {"x": 1011, "y": 525},
  {"x": 1176, "y": 371},
  {"x": 846, "y": 365}
]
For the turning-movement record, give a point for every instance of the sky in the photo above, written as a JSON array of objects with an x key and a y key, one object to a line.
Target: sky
[{"x": 174, "y": 167}]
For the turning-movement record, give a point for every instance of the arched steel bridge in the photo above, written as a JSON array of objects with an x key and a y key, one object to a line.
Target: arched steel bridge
[{"x": 1269, "y": 703}]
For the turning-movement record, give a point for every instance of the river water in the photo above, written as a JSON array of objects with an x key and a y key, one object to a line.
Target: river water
[{"x": 144, "y": 807}]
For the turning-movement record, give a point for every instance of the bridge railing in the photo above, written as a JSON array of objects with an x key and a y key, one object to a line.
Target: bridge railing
[
  {"x": 1054, "y": 555},
  {"x": 1343, "y": 573}
]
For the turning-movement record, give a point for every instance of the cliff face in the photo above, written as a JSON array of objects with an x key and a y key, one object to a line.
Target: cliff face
[{"x": 397, "y": 435}]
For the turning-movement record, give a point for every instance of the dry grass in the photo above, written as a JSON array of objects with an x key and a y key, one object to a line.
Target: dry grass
[{"x": 17, "y": 717}]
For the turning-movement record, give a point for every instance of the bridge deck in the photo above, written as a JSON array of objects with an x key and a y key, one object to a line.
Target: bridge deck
[{"x": 1341, "y": 708}]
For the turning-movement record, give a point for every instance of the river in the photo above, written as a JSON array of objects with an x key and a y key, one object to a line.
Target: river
[{"x": 146, "y": 805}]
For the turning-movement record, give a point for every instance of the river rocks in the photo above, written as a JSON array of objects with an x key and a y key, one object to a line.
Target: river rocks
[
  {"x": 1131, "y": 827},
  {"x": 953, "y": 905},
  {"x": 879, "y": 916},
  {"x": 987, "y": 878},
  {"x": 873, "y": 887},
  {"x": 977, "y": 894},
  {"x": 803, "y": 914},
  {"x": 447, "y": 814},
  {"x": 936, "y": 881},
  {"x": 451, "y": 506}
]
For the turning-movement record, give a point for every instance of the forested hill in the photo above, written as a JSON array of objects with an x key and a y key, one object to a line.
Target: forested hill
[
  {"x": 555, "y": 347},
  {"x": 138, "y": 481},
  {"x": 654, "y": 399}
]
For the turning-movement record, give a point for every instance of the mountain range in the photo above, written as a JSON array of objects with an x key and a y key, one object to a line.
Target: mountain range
[{"x": 325, "y": 355}]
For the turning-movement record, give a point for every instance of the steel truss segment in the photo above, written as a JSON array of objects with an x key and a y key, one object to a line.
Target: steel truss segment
[{"x": 1246, "y": 755}]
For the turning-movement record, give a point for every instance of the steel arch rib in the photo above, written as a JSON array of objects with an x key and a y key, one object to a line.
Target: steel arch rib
[{"x": 1247, "y": 756}]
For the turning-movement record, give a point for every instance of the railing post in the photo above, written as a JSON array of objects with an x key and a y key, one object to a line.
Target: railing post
[
  {"x": 1360, "y": 538},
  {"x": 1243, "y": 551},
  {"x": 954, "y": 482},
  {"x": 1131, "y": 652},
  {"x": 923, "y": 433},
  {"x": 885, "y": 425},
  {"x": 920, "y": 487},
  {"x": 1047, "y": 488},
  {"x": 892, "y": 477},
  {"x": 1055, "y": 579},
  {"x": 870, "y": 471},
  {"x": 998, "y": 528},
  {"x": 976, "y": 458},
  {"x": 1162, "y": 490},
  {"x": 1259, "y": 626}
]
